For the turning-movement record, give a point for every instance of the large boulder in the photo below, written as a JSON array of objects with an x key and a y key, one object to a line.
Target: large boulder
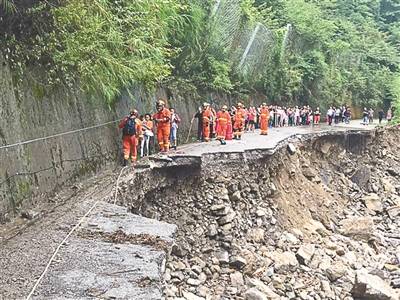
[
  {"x": 284, "y": 262},
  {"x": 236, "y": 279},
  {"x": 373, "y": 202},
  {"x": 368, "y": 286},
  {"x": 393, "y": 211},
  {"x": 305, "y": 253},
  {"x": 254, "y": 294},
  {"x": 262, "y": 287},
  {"x": 360, "y": 228},
  {"x": 191, "y": 296},
  {"x": 336, "y": 271},
  {"x": 256, "y": 235},
  {"x": 361, "y": 176}
]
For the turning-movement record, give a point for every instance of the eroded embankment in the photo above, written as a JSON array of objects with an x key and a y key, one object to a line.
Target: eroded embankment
[{"x": 319, "y": 222}]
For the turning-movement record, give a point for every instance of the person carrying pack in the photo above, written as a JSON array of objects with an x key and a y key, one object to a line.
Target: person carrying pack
[{"x": 131, "y": 132}]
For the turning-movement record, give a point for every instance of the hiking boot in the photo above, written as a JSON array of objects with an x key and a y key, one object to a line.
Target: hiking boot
[{"x": 223, "y": 142}]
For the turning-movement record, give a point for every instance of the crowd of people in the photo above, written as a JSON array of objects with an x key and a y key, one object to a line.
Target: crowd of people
[
  {"x": 138, "y": 130},
  {"x": 224, "y": 124}
]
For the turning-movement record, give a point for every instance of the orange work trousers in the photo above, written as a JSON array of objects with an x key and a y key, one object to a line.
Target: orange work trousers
[
  {"x": 221, "y": 130},
  {"x": 163, "y": 132},
  {"x": 264, "y": 126},
  {"x": 129, "y": 145},
  {"x": 206, "y": 131},
  {"x": 238, "y": 127}
]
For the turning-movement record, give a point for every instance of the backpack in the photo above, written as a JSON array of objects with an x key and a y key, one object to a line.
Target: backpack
[{"x": 130, "y": 127}]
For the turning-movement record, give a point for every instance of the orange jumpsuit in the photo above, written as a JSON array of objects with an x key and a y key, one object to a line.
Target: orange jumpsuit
[
  {"x": 207, "y": 117},
  {"x": 163, "y": 119},
  {"x": 130, "y": 142},
  {"x": 238, "y": 126},
  {"x": 223, "y": 118},
  {"x": 264, "y": 119}
]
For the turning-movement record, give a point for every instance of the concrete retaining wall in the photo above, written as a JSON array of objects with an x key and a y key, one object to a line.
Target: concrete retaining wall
[{"x": 29, "y": 111}]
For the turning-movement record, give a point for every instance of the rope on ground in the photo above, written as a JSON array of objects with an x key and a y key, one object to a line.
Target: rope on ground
[
  {"x": 59, "y": 247},
  {"x": 81, "y": 220},
  {"x": 56, "y": 135},
  {"x": 116, "y": 186}
]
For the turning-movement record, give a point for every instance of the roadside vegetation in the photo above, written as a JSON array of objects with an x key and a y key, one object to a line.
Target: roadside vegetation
[{"x": 319, "y": 52}]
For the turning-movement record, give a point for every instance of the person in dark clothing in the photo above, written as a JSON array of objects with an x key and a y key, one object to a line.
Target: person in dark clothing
[
  {"x": 365, "y": 116},
  {"x": 347, "y": 115},
  {"x": 381, "y": 115},
  {"x": 199, "y": 118}
]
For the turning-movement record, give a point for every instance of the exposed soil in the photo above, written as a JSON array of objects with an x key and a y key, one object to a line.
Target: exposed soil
[
  {"x": 316, "y": 220},
  {"x": 321, "y": 222}
]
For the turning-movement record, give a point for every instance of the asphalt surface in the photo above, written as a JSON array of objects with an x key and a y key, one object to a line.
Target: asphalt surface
[{"x": 254, "y": 141}]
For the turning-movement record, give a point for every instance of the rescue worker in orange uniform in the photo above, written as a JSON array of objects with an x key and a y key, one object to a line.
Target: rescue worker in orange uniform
[
  {"x": 239, "y": 121},
  {"x": 163, "y": 121},
  {"x": 223, "y": 119},
  {"x": 264, "y": 119},
  {"x": 131, "y": 133},
  {"x": 207, "y": 117}
]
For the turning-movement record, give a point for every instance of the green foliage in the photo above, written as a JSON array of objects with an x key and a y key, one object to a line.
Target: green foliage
[
  {"x": 100, "y": 45},
  {"x": 395, "y": 95},
  {"x": 344, "y": 53},
  {"x": 335, "y": 51},
  {"x": 8, "y": 6},
  {"x": 113, "y": 44}
]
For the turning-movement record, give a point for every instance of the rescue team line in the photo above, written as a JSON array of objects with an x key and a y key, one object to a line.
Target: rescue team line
[{"x": 226, "y": 124}]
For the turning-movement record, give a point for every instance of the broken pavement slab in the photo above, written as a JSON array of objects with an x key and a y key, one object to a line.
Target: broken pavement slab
[{"x": 116, "y": 255}]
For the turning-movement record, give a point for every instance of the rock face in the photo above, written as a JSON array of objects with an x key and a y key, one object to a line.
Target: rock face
[{"x": 287, "y": 226}]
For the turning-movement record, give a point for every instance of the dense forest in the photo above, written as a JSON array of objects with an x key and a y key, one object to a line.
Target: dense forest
[{"x": 291, "y": 51}]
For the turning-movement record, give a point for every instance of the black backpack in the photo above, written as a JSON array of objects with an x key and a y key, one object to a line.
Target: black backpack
[{"x": 130, "y": 127}]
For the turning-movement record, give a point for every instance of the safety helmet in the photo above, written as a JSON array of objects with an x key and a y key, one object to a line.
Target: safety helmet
[
  {"x": 239, "y": 104},
  {"x": 264, "y": 104},
  {"x": 159, "y": 104},
  {"x": 205, "y": 104},
  {"x": 225, "y": 107}
]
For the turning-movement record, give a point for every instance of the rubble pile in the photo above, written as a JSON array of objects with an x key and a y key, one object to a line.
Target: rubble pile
[{"x": 312, "y": 221}]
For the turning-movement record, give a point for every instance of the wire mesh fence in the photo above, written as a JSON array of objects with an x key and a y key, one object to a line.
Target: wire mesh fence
[{"x": 248, "y": 46}]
